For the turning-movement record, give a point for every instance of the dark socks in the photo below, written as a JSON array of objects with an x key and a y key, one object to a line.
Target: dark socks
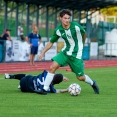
[{"x": 17, "y": 76}]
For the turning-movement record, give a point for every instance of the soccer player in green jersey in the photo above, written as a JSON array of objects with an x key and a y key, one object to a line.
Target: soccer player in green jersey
[{"x": 71, "y": 54}]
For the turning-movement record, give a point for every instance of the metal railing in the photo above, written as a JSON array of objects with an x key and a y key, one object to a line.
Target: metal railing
[
  {"x": 96, "y": 52},
  {"x": 107, "y": 51}
]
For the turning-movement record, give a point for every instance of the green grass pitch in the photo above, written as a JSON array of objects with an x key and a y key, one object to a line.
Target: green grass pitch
[{"x": 14, "y": 103}]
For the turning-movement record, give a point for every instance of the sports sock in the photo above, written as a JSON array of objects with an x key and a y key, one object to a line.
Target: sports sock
[
  {"x": 48, "y": 80},
  {"x": 88, "y": 80},
  {"x": 11, "y": 76},
  {"x": 17, "y": 76}
]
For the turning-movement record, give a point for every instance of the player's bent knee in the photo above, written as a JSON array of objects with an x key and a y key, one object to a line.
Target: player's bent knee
[
  {"x": 81, "y": 78},
  {"x": 52, "y": 69}
]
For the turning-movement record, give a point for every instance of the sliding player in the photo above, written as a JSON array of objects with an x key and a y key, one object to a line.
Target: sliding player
[{"x": 29, "y": 83}]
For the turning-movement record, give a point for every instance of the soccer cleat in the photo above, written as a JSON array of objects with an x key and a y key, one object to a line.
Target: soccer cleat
[
  {"x": 6, "y": 76},
  {"x": 95, "y": 87},
  {"x": 41, "y": 91}
]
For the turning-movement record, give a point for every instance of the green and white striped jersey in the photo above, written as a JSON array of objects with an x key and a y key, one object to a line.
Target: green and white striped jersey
[{"x": 72, "y": 36}]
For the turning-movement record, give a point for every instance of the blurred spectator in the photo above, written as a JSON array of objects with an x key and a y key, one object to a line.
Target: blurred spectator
[
  {"x": 34, "y": 39},
  {"x": 6, "y": 35},
  {"x": 2, "y": 34},
  {"x": 20, "y": 32}
]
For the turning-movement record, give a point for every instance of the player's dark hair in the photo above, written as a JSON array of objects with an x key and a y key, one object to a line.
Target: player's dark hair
[
  {"x": 57, "y": 79},
  {"x": 65, "y": 11}
]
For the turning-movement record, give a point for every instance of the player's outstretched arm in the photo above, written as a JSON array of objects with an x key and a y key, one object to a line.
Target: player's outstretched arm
[
  {"x": 61, "y": 90},
  {"x": 48, "y": 46}
]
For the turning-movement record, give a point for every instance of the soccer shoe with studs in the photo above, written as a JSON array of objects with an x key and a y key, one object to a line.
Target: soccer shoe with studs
[
  {"x": 95, "y": 87},
  {"x": 6, "y": 76}
]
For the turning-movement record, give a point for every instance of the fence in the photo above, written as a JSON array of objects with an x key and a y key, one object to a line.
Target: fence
[
  {"x": 107, "y": 51},
  {"x": 19, "y": 51}
]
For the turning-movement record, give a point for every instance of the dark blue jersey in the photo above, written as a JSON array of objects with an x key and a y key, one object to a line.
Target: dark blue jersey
[
  {"x": 34, "y": 38},
  {"x": 39, "y": 80},
  {"x": 4, "y": 37},
  {"x": 33, "y": 83}
]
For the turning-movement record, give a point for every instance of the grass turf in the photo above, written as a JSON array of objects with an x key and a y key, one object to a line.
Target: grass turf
[{"x": 14, "y": 103}]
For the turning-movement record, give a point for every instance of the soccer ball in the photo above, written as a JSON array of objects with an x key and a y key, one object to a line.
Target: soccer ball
[{"x": 74, "y": 89}]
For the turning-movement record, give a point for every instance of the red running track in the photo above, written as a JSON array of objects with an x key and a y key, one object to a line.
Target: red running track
[{"x": 25, "y": 67}]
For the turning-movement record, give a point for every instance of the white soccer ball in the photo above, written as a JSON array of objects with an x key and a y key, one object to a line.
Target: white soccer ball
[{"x": 74, "y": 89}]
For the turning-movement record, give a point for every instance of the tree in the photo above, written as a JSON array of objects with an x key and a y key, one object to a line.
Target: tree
[{"x": 111, "y": 11}]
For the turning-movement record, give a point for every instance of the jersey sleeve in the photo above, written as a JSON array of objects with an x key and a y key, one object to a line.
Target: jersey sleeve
[
  {"x": 5, "y": 36},
  {"x": 54, "y": 38},
  {"x": 82, "y": 30},
  {"x": 52, "y": 89},
  {"x": 29, "y": 35}
]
